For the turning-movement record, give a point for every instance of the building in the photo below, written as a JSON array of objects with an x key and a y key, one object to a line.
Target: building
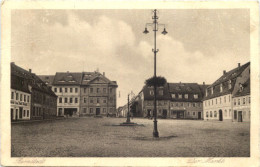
[
  {"x": 83, "y": 93},
  {"x": 38, "y": 100},
  {"x": 241, "y": 103},
  {"x": 186, "y": 100},
  {"x": 218, "y": 100}
]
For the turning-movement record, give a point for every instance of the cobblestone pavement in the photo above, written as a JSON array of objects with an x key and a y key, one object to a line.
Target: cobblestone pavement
[{"x": 97, "y": 137}]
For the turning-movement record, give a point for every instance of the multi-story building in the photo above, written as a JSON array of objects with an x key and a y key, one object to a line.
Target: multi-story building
[
  {"x": 218, "y": 100},
  {"x": 83, "y": 94},
  {"x": 186, "y": 100},
  {"x": 241, "y": 102},
  {"x": 35, "y": 94}
]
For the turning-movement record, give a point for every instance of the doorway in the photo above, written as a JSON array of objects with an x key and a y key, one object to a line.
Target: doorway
[
  {"x": 164, "y": 113},
  {"x": 149, "y": 113},
  {"x": 12, "y": 114},
  {"x": 199, "y": 115},
  {"x": 20, "y": 112},
  {"x": 240, "y": 116},
  {"x": 220, "y": 115},
  {"x": 97, "y": 111}
]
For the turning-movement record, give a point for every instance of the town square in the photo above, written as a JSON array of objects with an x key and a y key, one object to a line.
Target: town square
[{"x": 130, "y": 83}]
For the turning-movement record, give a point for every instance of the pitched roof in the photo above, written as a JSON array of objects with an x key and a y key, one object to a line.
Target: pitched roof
[
  {"x": 31, "y": 79},
  {"x": 230, "y": 75},
  {"x": 245, "y": 91},
  {"x": 186, "y": 88},
  {"x": 88, "y": 77},
  {"x": 47, "y": 79},
  {"x": 67, "y": 78}
]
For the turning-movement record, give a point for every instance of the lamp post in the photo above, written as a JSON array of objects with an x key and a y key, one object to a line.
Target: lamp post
[
  {"x": 155, "y": 26},
  {"x": 129, "y": 102}
]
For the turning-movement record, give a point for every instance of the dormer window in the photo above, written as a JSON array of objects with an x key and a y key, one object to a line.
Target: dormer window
[
  {"x": 196, "y": 96},
  {"x": 212, "y": 90},
  {"x": 221, "y": 87},
  {"x": 229, "y": 84},
  {"x": 180, "y": 96},
  {"x": 186, "y": 96},
  {"x": 71, "y": 81},
  {"x": 62, "y": 81},
  {"x": 173, "y": 96},
  {"x": 161, "y": 92},
  {"x": 206, "y": 92},
  {"x": 151, "y": 92},
  {"x": 69, "y": 76},
  {"x": 241, "y": 87}
]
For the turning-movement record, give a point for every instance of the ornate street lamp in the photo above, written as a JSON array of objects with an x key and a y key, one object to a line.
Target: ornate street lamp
[{"x": 155, "y": 26}]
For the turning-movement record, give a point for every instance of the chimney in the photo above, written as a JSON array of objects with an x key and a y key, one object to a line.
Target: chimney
[
  {"x": 30, "y": 70},
  {"x": 224, "y": 72},
  {"x": 203, "y": 83},
  {"x": 238, "y": 64},
  {"x": 104, "y": 73}
]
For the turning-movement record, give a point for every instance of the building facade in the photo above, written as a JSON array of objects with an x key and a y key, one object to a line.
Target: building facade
[
  {"x": 218, "y": 100},
  {"x": 34, "y": 98},
  {"x": 83, "y": 94},
  {"x": 174, "y": 100}
]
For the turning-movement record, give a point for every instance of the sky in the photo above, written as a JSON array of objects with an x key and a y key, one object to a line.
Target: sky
[{"x": 200, "y": 44}]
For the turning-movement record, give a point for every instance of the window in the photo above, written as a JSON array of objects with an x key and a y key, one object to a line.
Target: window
[
  {"x": 76, "y": 100},
  {"x": 238, "y": 102},
  {"x": 104, "y": 101},
  {"x": 207, "y": 114},
  {"x": 196, "y": 96},
  {"x": 216, "y": 101},
  {"x": 104, "y": 90},
  {"x": 206, "y": 92},
  {"x": 161, "y": 92},
  {"x": 65, "y": 100},
  {"x": 84, "y": 110},
  {"x": 66, "y": 90},
  {"x": 55, "y": 90},
  {"x": 188, "y": 104},
  {"x": 212, "y": 101},
  {"x": 225, "y": 113},
  {"x": 71, "y": 101},
  {"x": 210, "y": 113},
  {"x": 24, "y": 113},
  {"x": 24, "y": 98},
  {"x": 209, "y": 103},
  {"x": 12, "y": 95},
  {"x": 180, "y": 96},
  {"x": 193, "y": 104},
  {"x": 215, "y": 114},
  {"x": 193, "y": 113},
  {"x": 91, "y": 110},
  {"x": 17, "y": 96},
  {"x": 151, "y": 92},
  {"x": 221, "y": 87},
  {"x": 91, "y": 90},
  {"x": 186, "y": 96},
  {"x": 27, "y": 113},
  {"x": 85, "y": 90},
  {"x": 165, "y": 103},
  {"x": 110, "y": 90},
  {"x": 97, "y": 100},
  {"x": 71, "y": 90},
  {"x": 85, "y": 100},
  {"x": 173, "y": 96},
  {"x": 244, "y": 100},
  {"x": 224, "y": 99},
  {"x": 212, "y": 90},
  {"x": 235, "y": 114},
  {"x": 177, "y": 104},
  {"x": 97, "y": 90},
  {"x": 229, "y": 84},
  {"x": 188, "y": 113},
  {"x": 229, "y": 112},
  {"x": 60, "y": 89},
  {"x": 21, "y": 97},
  {"x": 235, "y": 102},
  {"x": 248, "y": 99},
  {"x": 104, "y": 110},
  {"x": 76, "y": 90},
  {"x": 181, "y": 104},
  {"x": 28, "y": 99},
  {"x": 91, "y": 100},
  {"x": 60, "y": 100}
]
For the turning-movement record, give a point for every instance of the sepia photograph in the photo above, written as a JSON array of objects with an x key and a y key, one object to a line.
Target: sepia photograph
[{"x": 129, "y": 82}]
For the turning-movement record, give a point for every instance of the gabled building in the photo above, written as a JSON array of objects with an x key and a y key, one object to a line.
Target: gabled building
[
  {"x": 83, "y": 93},
  {"x": 218, "y": 102},
  {"x": 186, "y": 100},
  {"x": 31, "y": 91}
]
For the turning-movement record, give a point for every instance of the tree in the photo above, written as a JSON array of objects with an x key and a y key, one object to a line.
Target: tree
[{"x": 156, "y": 81}]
